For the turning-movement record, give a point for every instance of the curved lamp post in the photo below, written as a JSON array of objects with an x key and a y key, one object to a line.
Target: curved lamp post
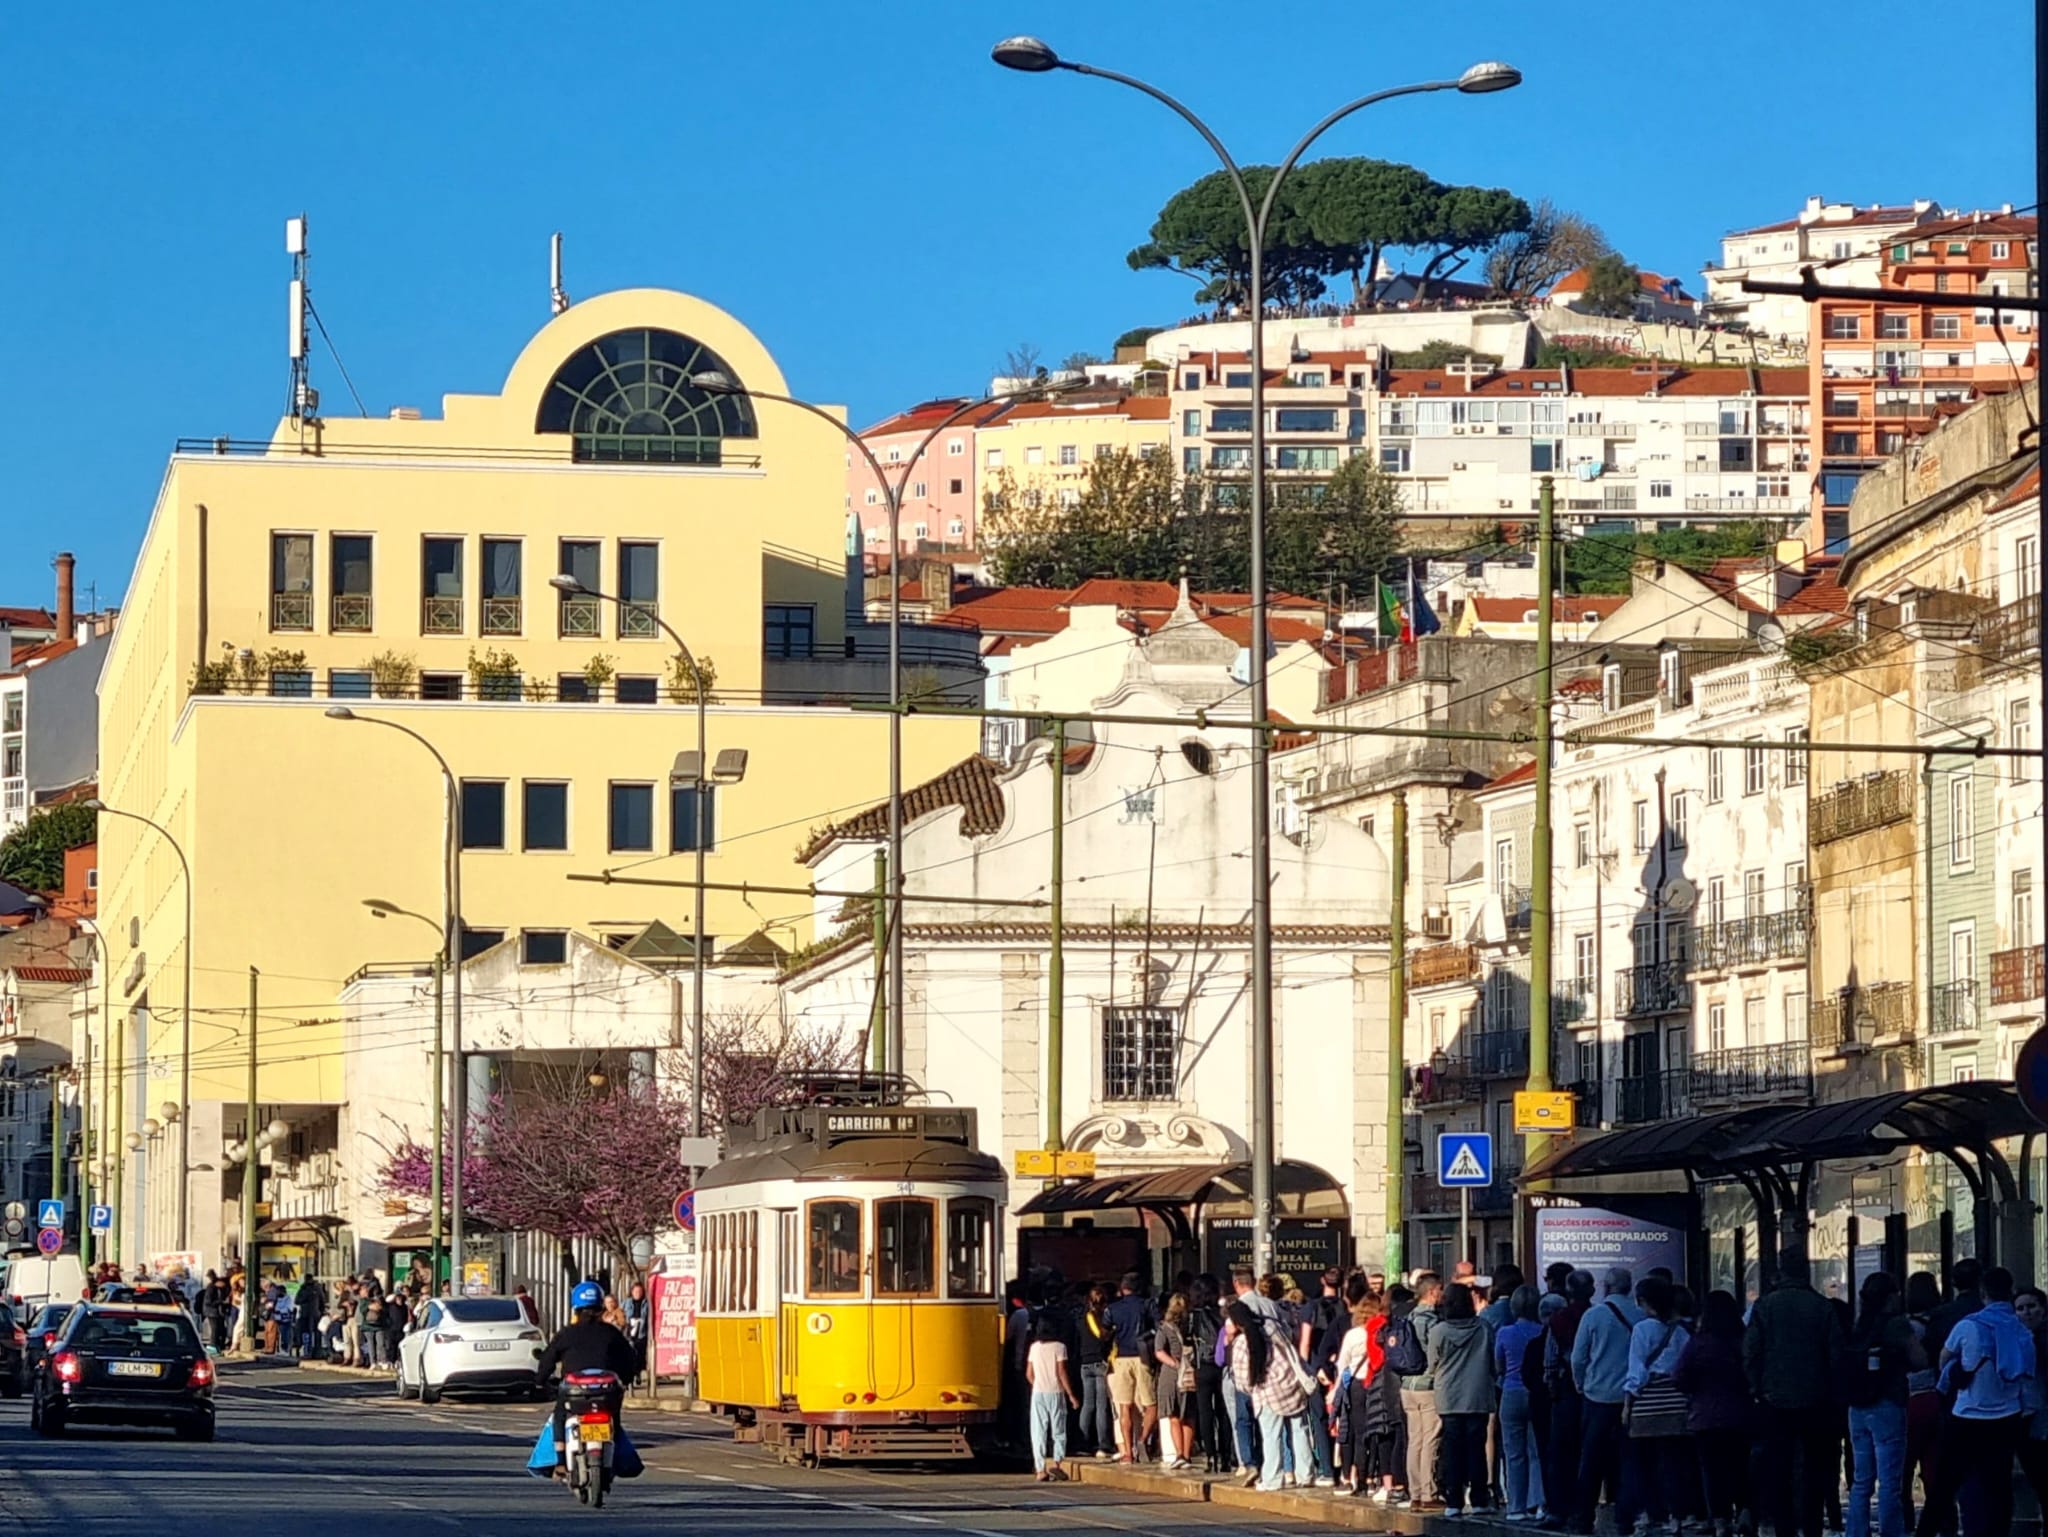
[
  {"x": 892, "y": 491},
  {"x": 451, "y": 949},
  {"x": 1032, "y": 56},
  {"x": 437, "y": 1233},
  {"x": 184, "y": 1027},
  {"x": 700, "y": 776}
]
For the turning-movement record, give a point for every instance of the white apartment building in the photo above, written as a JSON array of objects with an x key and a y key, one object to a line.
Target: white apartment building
[{"x": 1842, "y": 238}]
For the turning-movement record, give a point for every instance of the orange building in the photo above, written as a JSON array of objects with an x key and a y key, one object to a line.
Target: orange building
[{"x": 1884, "y": 372}]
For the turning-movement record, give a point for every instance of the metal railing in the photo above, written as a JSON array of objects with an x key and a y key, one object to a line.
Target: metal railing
[
  {"x": 291, "y": 611},
  {"x": 2015, "y": 975},
  {"x": 636, "y": 621},
  {"x": 440, "y": 615},
  {"x": 1862, "y": 1015},
  {"x": 2012, "y": 629},
  {"x": 1644, "y": 1097},
  {"x": 1587, "y": 1109},
  {"x": 1953, "y": 1007},
  {"x": 1442, "y": 963},
  {"x": 1663, "y": 988},
  {"x": 1515, "y": 907},
  {"x": 503, "y": 616},
  {"x": 1443, "y": 1080},
  {"x": 1859, "y": 805},
  {"x": 1498, "y": 1053},
  {"x": 580, "y": 618},
  {"x": 1752, "y": 941},
  {"x": 350, "y": 612},
  {"x": 1783, "y": 1071},
  {"x": 1573, "y": 999}
]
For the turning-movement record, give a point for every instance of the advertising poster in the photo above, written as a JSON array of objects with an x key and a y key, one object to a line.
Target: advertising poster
[
  {"x": 1594, "y": 1238},
  {"x": 675, "y": 1317}
]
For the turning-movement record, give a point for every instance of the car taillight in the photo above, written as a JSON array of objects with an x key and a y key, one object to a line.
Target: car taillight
[
  {"x": 531, "y": 1334},
  {"x": 67, "y": 1366},
  {"x": 447, "y": 1339},
  {"x": 49, "y": 1338},
  {"x": 20, "y": 1337},
  {"x": 202, "y": 1374}
]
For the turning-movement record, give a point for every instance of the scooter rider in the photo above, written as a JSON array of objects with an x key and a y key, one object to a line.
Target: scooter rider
[{"x": 586, "y": 1344}]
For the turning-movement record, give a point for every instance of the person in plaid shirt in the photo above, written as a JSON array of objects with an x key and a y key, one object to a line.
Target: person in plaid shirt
[{"x": 1264, "y": 1372}]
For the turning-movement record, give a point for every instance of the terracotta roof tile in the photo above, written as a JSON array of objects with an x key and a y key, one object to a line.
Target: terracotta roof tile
[
  {"x": 927, "y": 414},
  {"x": 70, "y": 975},
  {"x": 971, "y": 784},
  {"x": 1521, "y": 773},
  {"x": 1565, "y": 608},
  {"x": 2027, "y": 485},
  {"x": 28, "y": 618},
  {"x": 1145, "y": 408}
]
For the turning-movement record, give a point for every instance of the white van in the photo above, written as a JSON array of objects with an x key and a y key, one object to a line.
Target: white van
[{"x": 33, "y": 1280}]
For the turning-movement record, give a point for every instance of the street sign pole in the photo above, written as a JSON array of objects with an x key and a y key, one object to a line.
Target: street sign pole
[{"x": 1464, "y": 1222}]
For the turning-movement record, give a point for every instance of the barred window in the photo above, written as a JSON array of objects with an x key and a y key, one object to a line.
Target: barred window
[{"x": 1140, "y": 1054}]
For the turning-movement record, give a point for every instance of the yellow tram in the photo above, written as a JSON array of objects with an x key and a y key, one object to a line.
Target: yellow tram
[{"x": 850, "y": 1273}]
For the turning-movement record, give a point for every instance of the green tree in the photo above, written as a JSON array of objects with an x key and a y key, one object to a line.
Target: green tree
[
  {"x": 1554, "y": 243},
  {"x": 1201, "y": 234},
  {"x": 1563, "y": 355},
  {"x": 32, "y": 856},
  {"x": 1438, "y": 354},
  {"x": 1355, "y": 208},
  {"x": 1137, "y": 336},
  {"x": 1612, "y": 287},
  {"x": 1469, "y": 219}
]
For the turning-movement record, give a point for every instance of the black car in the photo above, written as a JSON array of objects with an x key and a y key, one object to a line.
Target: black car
[
  {"x": 125, "y": 1364},
  {"x": 14, "y": 1367},
  {"x": 43, "y": 1329}
]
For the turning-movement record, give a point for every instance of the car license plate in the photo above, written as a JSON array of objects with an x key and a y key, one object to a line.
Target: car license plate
[
  {"x": 134, "y": 1369},
  {"x": 601, "y": 1431},
  {"x": 493, "y": 1344}
]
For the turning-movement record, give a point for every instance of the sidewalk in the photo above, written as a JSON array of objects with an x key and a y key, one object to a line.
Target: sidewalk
[{"x": 1301, "y": 1504}]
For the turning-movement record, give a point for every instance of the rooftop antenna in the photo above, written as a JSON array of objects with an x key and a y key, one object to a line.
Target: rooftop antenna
[
  {"x": 557, "y": 294},
  {"x": 304, "y": 404}
]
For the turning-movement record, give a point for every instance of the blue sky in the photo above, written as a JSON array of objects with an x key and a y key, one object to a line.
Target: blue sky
[{"x": 887, "y": 209}]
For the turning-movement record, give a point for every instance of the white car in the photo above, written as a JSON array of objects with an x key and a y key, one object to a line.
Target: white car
[{"x": 485, "y": 1343}]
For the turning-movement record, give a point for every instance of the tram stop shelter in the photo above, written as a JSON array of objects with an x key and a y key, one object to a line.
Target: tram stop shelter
[
  {"x": 1162, "y": 1221},
  {"x": 1774, "y": 1152}
]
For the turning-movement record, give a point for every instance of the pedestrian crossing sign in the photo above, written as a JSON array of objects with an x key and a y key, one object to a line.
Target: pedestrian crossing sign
[{"x": 1464, "y": 1158}]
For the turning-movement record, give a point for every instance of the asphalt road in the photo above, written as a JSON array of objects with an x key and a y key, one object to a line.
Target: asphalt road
[{"x": 311, "y": 1455}]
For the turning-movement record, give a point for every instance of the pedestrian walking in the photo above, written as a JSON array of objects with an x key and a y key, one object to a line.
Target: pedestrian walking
[
  {"x": 1666, "y": 1465},
  {"x": 1600, "y": 1362},
  {"x": 1175, "y": 1385},
  {"x": 213, "y": 1305},
  {"x": 1519, "y": 1341},
  {"x": 1791, "y": 1354},
  {"x": 1406, "y": 1342},
  {"x": 1272, "y": 1384},
  {"x": 1882, "y": 1352},
  {"x": 1461, "y": 1374},
  {"x": 1718, "y": 1412},
  {"x": 639, "y": 1324},
  {"x": 1052, "y": 1395},
  {"x": 1133, "y": 1368},
  {"x": 1094, "y": 1340}
]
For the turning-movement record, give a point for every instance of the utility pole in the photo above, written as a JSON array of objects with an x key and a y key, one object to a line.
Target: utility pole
[
  {"x": 1540, "y": 873},
  {"x": 1056, "y": 957},
  {"x": 438, "y": 1234},
  {"x": 56, "y": 1134},
  {"x": 252, "y": 1165},
  {"x": 85, "y": 1179},
  {"x": 878, "y": 1011},
  {"x": 1397, "y": 1046},
  {"x": 117, "y": 1145}
]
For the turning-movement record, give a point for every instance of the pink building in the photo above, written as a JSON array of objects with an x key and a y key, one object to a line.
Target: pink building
[{"x": 941, "y": 499}]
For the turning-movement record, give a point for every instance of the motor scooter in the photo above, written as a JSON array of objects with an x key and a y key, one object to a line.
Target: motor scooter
[{"x": 590, "y": 1432}]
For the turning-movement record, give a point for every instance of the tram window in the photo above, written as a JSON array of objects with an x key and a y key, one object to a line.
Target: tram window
[
  {"x": 904, "y": 1238},
  {"x": 970, "y": 1271},
  {"x": 750, "y": 1259},
  {"x": 835, "y": 1251}
]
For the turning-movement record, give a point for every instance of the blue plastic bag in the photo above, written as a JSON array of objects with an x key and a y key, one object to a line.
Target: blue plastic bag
[{"x": 626, "y": 1461}]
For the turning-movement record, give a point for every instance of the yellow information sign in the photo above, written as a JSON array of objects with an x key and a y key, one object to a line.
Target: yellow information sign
[
  {"x": 1034, "y": 1163},
  {"x": 1038, "y": 1163},
  {"x": 1076, "y": 1165},
  {"x": 1537, "y": 1112}
]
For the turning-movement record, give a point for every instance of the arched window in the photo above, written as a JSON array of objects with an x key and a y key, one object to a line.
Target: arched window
[{"x": 626, "y": 399}]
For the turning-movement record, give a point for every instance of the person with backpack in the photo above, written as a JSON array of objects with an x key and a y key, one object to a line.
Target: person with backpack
[
  {"x": 1718, "y": 1412},
  {"x": 1271, "y": 1382},
  {"x": 1600, "y": 1362},
  {"x": 1134, "y": 1365},
  {"x": 1094, "y": 1340},
  {"x": 1882, "y": 1350},
  {"x": 1986, "y": 1364},
  {"x": 1212, "y": 1419},
  {"x": 1520, "y": 1341},
  {"x": 1324, "y": 1322},
  {"x": 1405, "y": 1342}
]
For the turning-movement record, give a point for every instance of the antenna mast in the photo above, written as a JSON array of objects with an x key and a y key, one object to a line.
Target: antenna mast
[
  {"x": 558, "y": 296},
  {"x": 304, "y": 404}
]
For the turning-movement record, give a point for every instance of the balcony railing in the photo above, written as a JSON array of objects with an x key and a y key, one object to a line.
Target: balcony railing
[
  {"x": 1953, "y": 1008},
  {"x": 1573, "y": 999},
  {"x": 350, "y": 613},
  {"x": 2015, "y": 975},
  {"x": 1498, "y": 1053},
  {"x": 581, "y": 618},
  {"x": 441, "y": 616},
  {"x": 1752, "y": 941},
  {"x": 1443, "y": 1080},
  {"x": 1645, "y": 1097},
  {"x": 1442, "y": 963},
  {"x": 503, "y": 616},
  {"x": 1859, "y": 805},
  {"x": 1514, "y": 906},
  {"x": 1863, "y": 1015},
  {"x": 636, "y": 621},
  {"x": 2013, "y": 629},
  {"x": 1663, "y": 988},
  {"x": 1780, "y": 1072},
  {"x": 1586, "y": 1102},
  {"x": 291, "y": 611}
]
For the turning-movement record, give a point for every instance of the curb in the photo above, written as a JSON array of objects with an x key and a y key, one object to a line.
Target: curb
[
  {"x": 335, "y": 1370},
  {"x": 1316, "y": 1505}
]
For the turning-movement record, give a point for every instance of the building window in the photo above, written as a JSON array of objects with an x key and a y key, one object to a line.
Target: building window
[
  {"x": 631, "y": 822},
  {"x": 1962, "y": 821},
  {"x": 1582, "y": 845},
  {"x": 628, "y": 398},
  {"x": 291, "y": 683},
  {"x": 639, "y": 688},
  {"x": 923, "y": 530},
  {"x": 1716, "y": 781},
  {"x": 917, "y": 490},
  {"x": 1237, "y": 379},
  {"x": 349, "y": 610},
  {"x": 573, "y": 688},
  {"x": 1034, "y": 453},
  {"x": 291, "y": 581},
  {"x": 1191, "y": 424},
  {"x": 1796, "y": 894},
  {"x": 1846, "y": 444},
  {"x": 543, "y": 947},
  {"x": 1714, "y": 906},
  {"x": 1795, "y": 759},
  {"x": 1660, "y": 490},
  {"x": 790, "y": 629},
  {"x": 2001, "y": 250},
  {"x": 1895, "y": 324},
  {"x": 476, "y": 941},
  {"x": 1585, "y": 962},
  {"x": 1503, "y": 866},
  {"x": 683, "y": 811},
  {"x": 348, "y": 683},
  {"x": 2022, "y": 930},
  {"x": 1753, "y": 770},
  {"x": 872, "y": 497},
  {"x": 1945, "y": 328},
  {"x": 544, "y": 815},
  {"x": 483, "y": 813},
  {"x": 639, "y": 589},
  {"x": 1394, "y": 458},
  {"x": 1681, "y": 815},
  {"x": 1191, "y": 461},
  {"x": 1140, "y": 1052},
  {"x": 1642, "y": 810},
  {"x": 992, "y": 459},
  {"x": 442, "y": 685},
  {"x": 1753, "y": 1021},
  {"x": 2026, "y": 561},
  {"x": 1070, "y": 453},
  {"x": 503, "y": 584},
  {"x": 2019, "y": 733},
  {"x": 956, "y": 529},
  {"x": 578, "y": 612},
  {"x": 955, "y": 487},
  {"x": 1844, "y": 327},
  {"x": 441, "y": 586},
  {"x": 1717, "y": 1027}
]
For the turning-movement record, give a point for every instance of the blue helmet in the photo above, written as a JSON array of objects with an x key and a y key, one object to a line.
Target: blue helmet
[{"x": 586, "y": 1294}]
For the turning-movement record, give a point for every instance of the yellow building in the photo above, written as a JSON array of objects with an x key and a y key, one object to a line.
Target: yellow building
[
  {"x": 1047, "y": 445},
  {"x": 402, "y": 566}
]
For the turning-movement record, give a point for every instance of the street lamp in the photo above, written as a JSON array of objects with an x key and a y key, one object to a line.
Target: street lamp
[
  {"x": 100, "y": 807},
  {"x": 1033, "y": 56},
  {"x": 716, "y": 383},
  {"x": 572, "y": 587},
  {"x": 379, "y": 908},
  {"x": 451, "y": 940}
]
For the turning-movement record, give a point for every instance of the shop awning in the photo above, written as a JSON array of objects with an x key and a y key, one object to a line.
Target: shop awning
[
  {"x": 419, "y": 1229},
  {"x": 1202, "y": 1184}
]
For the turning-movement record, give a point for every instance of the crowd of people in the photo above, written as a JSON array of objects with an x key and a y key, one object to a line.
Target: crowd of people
[{"x": 1908, "y": 1412}]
